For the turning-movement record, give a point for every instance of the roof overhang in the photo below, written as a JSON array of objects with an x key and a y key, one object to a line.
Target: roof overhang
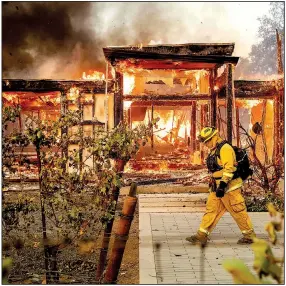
[
  {"x": 93, "y": 86},
  {"x": 163, "y": 61},
  {"x": 195, "y": 49}
]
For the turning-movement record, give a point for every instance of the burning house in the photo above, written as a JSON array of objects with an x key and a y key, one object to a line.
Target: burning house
[{"x": 183, "y": 86}]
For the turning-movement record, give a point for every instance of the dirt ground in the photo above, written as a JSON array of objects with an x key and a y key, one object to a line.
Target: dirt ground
[{"x": 74, "y": 267}]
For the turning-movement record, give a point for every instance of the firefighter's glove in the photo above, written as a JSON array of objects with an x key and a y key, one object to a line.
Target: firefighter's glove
[{"x": 221, "y": 189}]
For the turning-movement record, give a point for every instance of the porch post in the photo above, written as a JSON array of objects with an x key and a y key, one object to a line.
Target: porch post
[
  {"x": 229, "y": 101},
  {"x": 193, "y": 126},
  {"x": 118, "y": 99},
  {"x": 237, "y": 127},
  {"x": 213, "y": 77}
]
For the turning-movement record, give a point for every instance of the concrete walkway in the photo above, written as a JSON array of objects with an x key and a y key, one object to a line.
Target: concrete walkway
[{"x": 165, "y": 257}]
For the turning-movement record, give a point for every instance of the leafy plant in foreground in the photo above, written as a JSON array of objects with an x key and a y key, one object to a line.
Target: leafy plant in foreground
[{"x": 265, "y": 264}]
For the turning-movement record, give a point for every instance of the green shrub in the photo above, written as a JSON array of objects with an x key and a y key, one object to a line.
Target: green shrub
[{"x": 259, "y": 204}]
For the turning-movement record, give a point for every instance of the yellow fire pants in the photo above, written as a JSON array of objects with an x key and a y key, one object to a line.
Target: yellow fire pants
[{"x": 234, "y": 203}]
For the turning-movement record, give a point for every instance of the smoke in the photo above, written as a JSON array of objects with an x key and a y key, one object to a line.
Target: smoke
[
  {"x": 47, "y": 39},
  {"x": 60, "y": 40}
]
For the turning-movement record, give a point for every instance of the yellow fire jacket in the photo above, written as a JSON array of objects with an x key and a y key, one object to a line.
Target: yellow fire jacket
[{"x": 227, "y": 161}]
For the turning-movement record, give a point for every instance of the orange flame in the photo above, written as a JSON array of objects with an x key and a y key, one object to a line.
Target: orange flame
[
  {"x": 73, "y": 93},
  {"x": 128, "y": 83},
  {"x": 9, "y": 97},
  {"x": 95, "y": 75},
  {"x": 251, "y": 102}
]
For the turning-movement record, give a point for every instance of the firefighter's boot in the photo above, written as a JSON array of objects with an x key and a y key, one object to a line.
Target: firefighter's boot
[
  {"x": 198, "y": 238},
  {"x": 246, "y": 238}
]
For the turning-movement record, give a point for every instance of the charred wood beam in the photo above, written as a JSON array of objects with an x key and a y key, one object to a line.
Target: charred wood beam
[
  {"x": 252, "y": 95},
  {"x": 221, "y": 94},
  {"x": 92, "y": 122},
  {"x": 229, "y": 101},
  {"x": 254, "y": 89},
  {"x": 167, "y": 97},
  {"x": 121, "y": 54},
  {"x": 259, "y": 85},
  {"x": 55, "y": 85},
  {"x": 142, "y": 182},
  {"x": 224, "y": 49},
  {"x": 148, "y": 103},
  {"x": 26, "y": 107}
]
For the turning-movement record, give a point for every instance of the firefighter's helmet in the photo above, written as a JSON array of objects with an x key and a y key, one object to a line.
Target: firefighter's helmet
[{"x": 207, "y": 133}]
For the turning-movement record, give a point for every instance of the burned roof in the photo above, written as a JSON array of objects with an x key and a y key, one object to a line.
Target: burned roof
[
  {"x": 186, "y": 53},
  {"x": 189, "y": 49},
  {"x": 253, "y": 89},
  {"x": 95, "y": 86}
]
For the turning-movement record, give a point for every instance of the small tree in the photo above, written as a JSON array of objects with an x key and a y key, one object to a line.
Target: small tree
[{"x": 74, "y": 197}]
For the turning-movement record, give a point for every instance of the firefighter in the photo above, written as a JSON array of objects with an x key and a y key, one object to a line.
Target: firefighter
[{"x": 225, "y": 190}]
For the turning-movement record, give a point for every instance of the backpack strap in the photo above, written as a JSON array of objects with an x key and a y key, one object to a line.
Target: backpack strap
[{"x": 219, "y": 146}]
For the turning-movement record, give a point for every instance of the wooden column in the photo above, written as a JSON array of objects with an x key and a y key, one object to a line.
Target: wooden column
[
  {"x": 152, "y": 134},
  {"x": 129, "y": 123},
  {"x": 118, "y": 99},
  {"x": 80, "y": 108},
  {"x": 106, "y": 99},
  {"x": 93, "y": 125},
  {"x": 193, "y": 126},
  {"x": 237, "y": 128},
  {"x": 207, "y": 115},
  {"x": 229, "y": 101},
  {"x": 20, "y": 119},
  {"x": 214, "y": 97},
  {"x": 63, "y": 102},
  {"x": 281, "y": 121},
  {"x": 64, "y": 130},
  {"x": 203, "y": 123}
]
